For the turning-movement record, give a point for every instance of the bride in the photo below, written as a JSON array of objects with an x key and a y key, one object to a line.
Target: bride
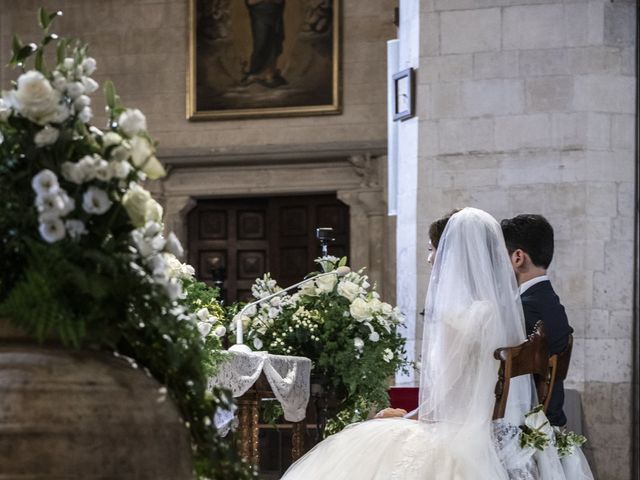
[{"x": 472, "y": 308}]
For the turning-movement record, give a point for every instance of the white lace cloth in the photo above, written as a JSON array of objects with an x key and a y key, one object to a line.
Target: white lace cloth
[{"x": 289, "y": 378}]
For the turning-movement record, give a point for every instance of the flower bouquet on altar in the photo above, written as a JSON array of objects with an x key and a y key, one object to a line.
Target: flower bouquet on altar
[
  {"x": 340, "y": 323},
  {"x": 83, "y": 257}
]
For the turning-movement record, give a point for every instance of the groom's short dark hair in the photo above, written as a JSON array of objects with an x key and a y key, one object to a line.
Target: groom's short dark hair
[{"x": 531, "y": 233}]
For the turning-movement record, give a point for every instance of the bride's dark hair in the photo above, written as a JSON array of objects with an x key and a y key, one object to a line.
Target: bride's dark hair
[{"x": 436, "y": 229}]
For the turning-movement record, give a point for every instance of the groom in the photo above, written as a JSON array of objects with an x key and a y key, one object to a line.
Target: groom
[{"x": 529, "y": 240}]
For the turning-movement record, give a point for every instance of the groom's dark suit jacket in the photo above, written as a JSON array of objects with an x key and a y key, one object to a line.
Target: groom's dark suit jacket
[{"x": 540, "y": 302}]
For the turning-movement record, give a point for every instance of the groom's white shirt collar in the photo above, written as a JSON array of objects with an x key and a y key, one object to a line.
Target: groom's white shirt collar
[{"x": 530, "y": 283}]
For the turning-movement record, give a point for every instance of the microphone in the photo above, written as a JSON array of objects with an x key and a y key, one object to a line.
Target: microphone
[{"x": 240, "y": 346}]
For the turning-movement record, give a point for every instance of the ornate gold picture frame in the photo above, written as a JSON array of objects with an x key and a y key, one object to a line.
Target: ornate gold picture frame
[{"x": 263, "y": 58}]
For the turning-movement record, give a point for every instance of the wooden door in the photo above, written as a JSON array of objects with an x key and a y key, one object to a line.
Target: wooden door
[{"x": 238, "y": 240}]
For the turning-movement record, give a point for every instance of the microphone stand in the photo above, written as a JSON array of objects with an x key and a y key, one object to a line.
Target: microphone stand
[{"x": 240, "y": 347}]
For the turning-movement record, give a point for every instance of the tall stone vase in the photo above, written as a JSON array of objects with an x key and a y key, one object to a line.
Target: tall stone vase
[{"x": 79, "y": 414}]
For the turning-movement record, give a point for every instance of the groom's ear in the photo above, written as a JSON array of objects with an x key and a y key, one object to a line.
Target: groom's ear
[{"x": 518, "y": 258}]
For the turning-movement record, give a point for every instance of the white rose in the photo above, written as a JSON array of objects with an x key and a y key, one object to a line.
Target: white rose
[
  {"x": 52, "y": 230},
  {"x": 202, "y": 314},
  {"x": 140, "y": 206},
  {"x": 374, "y": 337},
  {"x": 173, "y": 245},
  {"x": 348, "y": 289},
  {"x": 132, "y": 121},
  {"x": 360, "y": 309},
  {"x": 358, "y": 343},
  {"x": 111, "y": 138},
  {"x": 326, "y": 284},
  {"x": 220, "y": 331},
  {"x": 387, "y": 355},
  {"x": 204, "y": 328},
  {"x": 76, "y": 228},
  {"x": 386, "y": 309},
  {"x": 45, "y": 182},
  {"x": 47, "y": 136},
  {"x": 34, "y": 97},
  {"x": 375, "y": 305},
  {"x": 308, "y": 289},
  {"x": 96, "y": 201},
  {"x": 89, "y": 65},
  {"x": 142, "y": 157}
]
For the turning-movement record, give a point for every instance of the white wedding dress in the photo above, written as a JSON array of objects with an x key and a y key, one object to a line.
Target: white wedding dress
[{"x": 472, "y": 308}]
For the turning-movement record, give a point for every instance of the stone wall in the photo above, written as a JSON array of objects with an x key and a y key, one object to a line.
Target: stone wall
[{"x": 529, "y": 106}]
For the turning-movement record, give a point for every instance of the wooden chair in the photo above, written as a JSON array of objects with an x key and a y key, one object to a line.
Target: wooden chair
[
  {"x": 560, "y": 362},
  {"x": 530, "y": 357}
]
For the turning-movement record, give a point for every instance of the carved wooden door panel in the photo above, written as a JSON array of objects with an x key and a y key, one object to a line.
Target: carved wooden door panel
[
  {"x": 239, "y": 240},
  {"x": 228, "y": 240}
]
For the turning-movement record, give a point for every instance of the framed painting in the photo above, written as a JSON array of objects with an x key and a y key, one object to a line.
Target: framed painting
[{"x": 263, "y": 58}]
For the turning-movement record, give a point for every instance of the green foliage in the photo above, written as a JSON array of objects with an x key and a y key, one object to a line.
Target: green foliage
[{"x": 567, "y": 442}]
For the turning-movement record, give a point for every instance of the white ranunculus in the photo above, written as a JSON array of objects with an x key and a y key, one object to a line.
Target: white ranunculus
[
  {"x": 59, "y": 81},
  {"x": 173, "y": 245},
  {"x": 220, "y": 331},
  {"x": 142, "y": 156},
  {"x": 90, "y": 85},
  {"x": 204, "y": 328},
  {"x": 96, "y": 201},
  {"x": 34, "y": 97},
  {"x": 76, "y": 228},
  {"x": 348, "y": 289},
  {"x": 111, "y": 138},
  {"x": 52, "y": 230},
  {"x": 326, "y": 283},
  {"x": 120, "y": 154},
  {"x": 387, "y": 355},
  {"x": 45, "y": 182},
  {"x": 68, "y": 63},
  {"x": 85, "y": 115},
  {"x": 75, "y": 89},
  {"x": 119, "y": 169},
  {"x": 72, "y": 173},
  {"x": 358, "y": 343},
  {"x": 47, "y": 136},
  {"x": 374, "y": 337},
  {"x": 5, "y": 110},
  {"x": 81, "y": 102},
  {"x": 360, "y": 309},
  {"x": 257, "y": 343},
  {"x": 140, "y": 206},
  {"x": 89, "y": 65},
  {"x": 132, "y": 121},
  {"x": 103, "y": 170}
]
